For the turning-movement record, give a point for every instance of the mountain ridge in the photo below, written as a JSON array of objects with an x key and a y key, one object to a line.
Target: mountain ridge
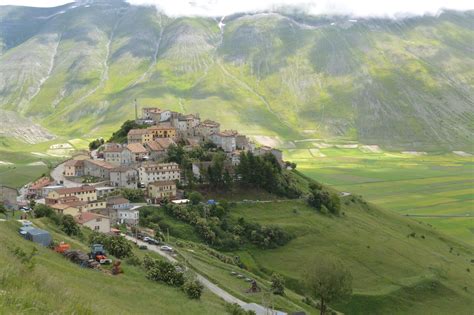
[{"x": 401, "y": 84}]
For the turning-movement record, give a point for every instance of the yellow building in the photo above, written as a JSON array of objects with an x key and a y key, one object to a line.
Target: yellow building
[
  {"x": 163, "y": 131},
  {"x": 84, "y": 193},
  {"x": 162, "y": 189},
  {"x": 139, "y": 136}
]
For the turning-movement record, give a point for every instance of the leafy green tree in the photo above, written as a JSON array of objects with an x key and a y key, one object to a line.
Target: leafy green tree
[
  {"x": 41, "y": 210},
  {"x": 327, "y": 280},
  {"x": 278, "y": 284},
  {"x": 115, "y": 244},
  {"x": 195, "y": 197},
  {"x": 3, "y": 210},
  {"x": 120, "y": 136},
  {"x": 69, "y": 226},
  {"x": 134, "y": 195},
  {"x": 193, "y": 288},
  {"x": 95, "y": 144},
  {"x": 176, "y": 154}
]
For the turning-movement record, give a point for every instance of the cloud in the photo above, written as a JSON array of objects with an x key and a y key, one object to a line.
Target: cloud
[{"x": 355, "y": 8}]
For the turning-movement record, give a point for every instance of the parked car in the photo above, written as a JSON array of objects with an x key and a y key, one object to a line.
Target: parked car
[
  {"x": 166, "y": 248},
  {"x": 152, "y": 241}
]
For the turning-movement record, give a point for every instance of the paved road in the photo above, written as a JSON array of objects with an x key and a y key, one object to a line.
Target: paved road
[
  {"x": 58, "y": 175},
  {"x": 259, "y": 309}
]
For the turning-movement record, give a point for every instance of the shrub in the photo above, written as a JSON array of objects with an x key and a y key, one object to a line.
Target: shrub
[
  {"x": 235, "y": 309},
  {"x": 133, "y": 260},
  {"x": 193, "y": 288},
  {"x": 41, "y": 211},
  {"x": 164, "y": 271},
  {"x": 278, "y": 284},
  {"x": 69, "y": 226},
  {"x": 115, "y": 244}
]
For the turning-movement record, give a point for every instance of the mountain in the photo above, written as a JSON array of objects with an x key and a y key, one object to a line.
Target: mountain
[{"x": 75, "y": 71}]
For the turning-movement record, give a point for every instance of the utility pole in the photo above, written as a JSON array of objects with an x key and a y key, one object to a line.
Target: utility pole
[{"x": 136, "y": 109}]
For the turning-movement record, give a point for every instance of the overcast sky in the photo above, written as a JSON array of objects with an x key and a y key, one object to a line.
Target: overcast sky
[{"x": 356, "y": 8}]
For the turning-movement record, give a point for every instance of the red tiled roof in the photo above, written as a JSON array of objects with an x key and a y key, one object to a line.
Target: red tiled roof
[
  {"x": 163, "y": 183},
  {"x": 136, "y": 148},
  {"x": 138, "y": 131},
  {"x": 101, "y": 163},
  {"x": 74, "y": 163},
  {"x": 40, "y": 183},
  {"x": 72, "y": 190},
  {"x": 87, "y": 216},
  {"x": 154, "y": 146}
]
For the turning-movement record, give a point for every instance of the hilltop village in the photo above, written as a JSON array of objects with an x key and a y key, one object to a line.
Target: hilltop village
[{"x": 89, "y": 186}]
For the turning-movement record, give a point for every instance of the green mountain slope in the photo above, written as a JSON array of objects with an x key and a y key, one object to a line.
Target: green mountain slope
[
  {"x": 76, "y": 70},
  {"x": 55, "y": 285}
]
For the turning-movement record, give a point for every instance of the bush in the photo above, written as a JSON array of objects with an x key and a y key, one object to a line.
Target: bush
[
  {"x": 116, "y": 245},
  {"x": 41, "y": 211},
  {"x": 278, "y": 284},
  {"x": 69, "y": 226},
  {"x": 195, "y": 197},
  {"x": 193, "y": 288},
  {"x": 164, "y": 271},
  {"x": 133, "y": 261},
  {"x": 235, "y": 309}
]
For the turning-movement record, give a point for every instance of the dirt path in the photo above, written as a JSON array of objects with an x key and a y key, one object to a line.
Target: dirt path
[{"x": 258, "y": 309}]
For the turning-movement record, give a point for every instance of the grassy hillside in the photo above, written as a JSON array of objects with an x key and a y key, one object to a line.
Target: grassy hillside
[
  {"x": 393, "y": 273},
  {"x": 405, "y": 83},
  {"x": 55, "y": 285}
]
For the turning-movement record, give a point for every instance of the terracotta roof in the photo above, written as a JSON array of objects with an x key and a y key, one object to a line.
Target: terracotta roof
[
  {"x": 117, "y": 200},
  {"x": 147, "y": 166},
  {"x": 40, "y": 183},
  {"x": 85, "y": 188},
  {"x": 136, "y": 148},
  {"x": 101, "y": 163},
  {"x": 228, "y": 133},
  {"x": 166, "y": 126},
  {"x": 67, "y": 199},
  {"x": 138, "y": 132},
  {"x": 121, "y": 169},
  {"x": 87, "y": 216},
  {"x": 154, "y": 146},
  {"x": 210, "y": 123},
  {"x": 163, "y": 183},
  {"x": 113, "y": 147},
  {"x": 165, "y": 142},
  {"x": 74, "y": 163}
]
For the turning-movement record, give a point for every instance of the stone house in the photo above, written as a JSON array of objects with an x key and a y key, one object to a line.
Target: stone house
[
  {"x": 116, "y": 154},
  {"x": 125, "y": 177},
  {"x": 225, "y": 140},
  {"x": 161, "y": 189},
  {"x": 74, "y": 168},
  {"x": 118, "y": 202},
  {"x": 95, "y": 222},
  {"x": 155, "y": 151},
  {"x": 128, "y": 216},
  {"x": 150, "y": 172},
  {"x": 138, "y": 152},
  {"x": 36, "y": 188},
  {"x": 139, "y": 136},
  {"x": 98, "y": 168},
  {"x": 278, "y": 154},
  {"x": 206, "y": 128},
  {"x": 8, "y": 197}
]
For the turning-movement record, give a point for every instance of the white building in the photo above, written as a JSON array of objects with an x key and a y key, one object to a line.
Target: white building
[
  {"x": 225, "y": 140},
  {"x": 116, "y": 154},
  {"x": 128, "y": 216},
  {"x": 123, "y": 176},
  {"x": 152, "y": 172}
]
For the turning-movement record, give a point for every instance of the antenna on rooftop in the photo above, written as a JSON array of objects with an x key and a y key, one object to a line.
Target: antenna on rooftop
[{"x": 136, "y": 109}]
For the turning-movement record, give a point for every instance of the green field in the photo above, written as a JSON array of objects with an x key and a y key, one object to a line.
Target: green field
[
  {"x": 56, "y": 286},
  {"x": 393, "y": 273},
  {"x": 424, "y": 185}
]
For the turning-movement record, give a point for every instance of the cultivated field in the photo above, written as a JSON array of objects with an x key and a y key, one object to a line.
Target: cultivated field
[{"x": 404, "y": 182}]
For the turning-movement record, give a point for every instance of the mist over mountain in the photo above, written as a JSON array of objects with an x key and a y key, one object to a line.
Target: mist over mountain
[{"x": 76, "y": 69}]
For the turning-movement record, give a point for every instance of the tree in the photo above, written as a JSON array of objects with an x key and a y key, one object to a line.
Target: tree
[
  {"x": 193, "y": 288},
  {"x": 134, "y": 195},
  {"x": 328, "y": 280},
  {"x": 69, "y": 226},
  {"x": 95, "y": 144},
  {"x": 3, "y": 210},
  {"x": 278, "y": 284},
  {"x": 195, "y": 197},
  {"x": 43, "y": 211}
]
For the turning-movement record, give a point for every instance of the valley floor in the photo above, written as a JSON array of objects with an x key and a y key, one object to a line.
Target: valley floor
[{"x": 439, "y": 188}]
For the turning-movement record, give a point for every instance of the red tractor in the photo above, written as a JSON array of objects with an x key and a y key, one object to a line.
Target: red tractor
[{"x": 98, "y": 254}]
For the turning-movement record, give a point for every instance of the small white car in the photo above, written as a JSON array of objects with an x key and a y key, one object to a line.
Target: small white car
[{"x": 166, "y": 248}]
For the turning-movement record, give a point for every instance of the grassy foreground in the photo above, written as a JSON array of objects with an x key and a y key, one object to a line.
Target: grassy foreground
[{"x": 55, "y": 285}]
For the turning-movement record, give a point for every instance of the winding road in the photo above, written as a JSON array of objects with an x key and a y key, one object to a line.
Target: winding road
[{"x": 257, "y": 308}]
